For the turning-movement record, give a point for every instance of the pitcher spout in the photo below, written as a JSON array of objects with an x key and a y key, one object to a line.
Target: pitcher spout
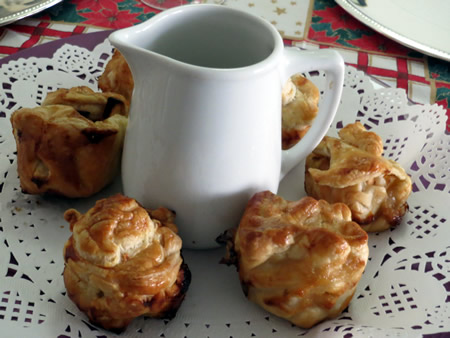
[
  {"x": 138, "y": 56},
  {"x": 199, "y": 36}
]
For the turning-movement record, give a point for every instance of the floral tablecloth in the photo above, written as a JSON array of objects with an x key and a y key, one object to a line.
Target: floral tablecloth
[{"x": 305, "y": 23}]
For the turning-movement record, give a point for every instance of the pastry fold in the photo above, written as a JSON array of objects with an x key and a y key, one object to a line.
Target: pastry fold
[
  {"x": 117, "y": 77},
  {"x": 300, "y": 260},
  {"x": 300, "y": 106},
  {"x": 61, "y": 151},
  {"x": 123, "y": 261},
  {"x": 94, "y": 106},
  {"x": 351, "y": 170}
]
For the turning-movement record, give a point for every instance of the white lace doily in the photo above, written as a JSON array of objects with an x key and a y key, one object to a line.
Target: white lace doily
[{"x": 405, "y": 289}]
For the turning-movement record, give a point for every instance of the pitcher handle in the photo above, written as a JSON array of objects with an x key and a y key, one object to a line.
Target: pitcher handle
[{"x": 298, "y": 61}]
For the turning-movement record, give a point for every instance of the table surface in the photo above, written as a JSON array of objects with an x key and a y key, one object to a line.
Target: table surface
[{"x": 305, "y": 23}]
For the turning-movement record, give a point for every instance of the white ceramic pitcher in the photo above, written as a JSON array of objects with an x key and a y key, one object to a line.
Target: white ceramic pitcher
[{"x": 205, "y": 122}]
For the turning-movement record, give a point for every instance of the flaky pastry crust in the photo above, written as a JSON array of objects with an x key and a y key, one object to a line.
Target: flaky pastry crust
[
  {"x": 117, "y": 77},
  {"x": 59, "y": 151},
  {"x": 299, "y": 260},
  {"x": 120, "y": 263},
  {"x": 92, "y": 105},
  {"x": 300, "y": 106},
  {"x": 351, "y": 170}
]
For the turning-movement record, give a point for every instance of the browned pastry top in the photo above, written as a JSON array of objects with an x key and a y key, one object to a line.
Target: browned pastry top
[
  {"x": 62, "y": 152},
  {"x": 300, "y": 107},
  {"x": 117, "y": 233},
  {"x": 351, "y": 170},
  {"x": 300, "y": 259},
  {"x": 121, "y": 263},
  {"x": 354, "y": 158},
  {"x": 117, "y": 77},
  {"x": 92, "y": 105},
  {"x": 271, "y": 225}
]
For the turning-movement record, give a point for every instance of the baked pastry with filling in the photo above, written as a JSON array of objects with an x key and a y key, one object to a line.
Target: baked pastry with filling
[
  {"x": 123, "y": 261},
  {"x": 300, "y": 105},
  {"x": 300, "y": 260},
  {"x": 351, "y": 170},
  {"x": 117, "y": 77},
  {"x": 92, "y": 105},
  {"x": 60, "y": 151}
]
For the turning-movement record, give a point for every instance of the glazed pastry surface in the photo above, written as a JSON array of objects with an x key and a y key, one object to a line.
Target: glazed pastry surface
[
  {"x": 123, "y": 261},
  {"x": 61, "y": 152},
  {"x": 300, "y": 106},
  {"x": 351, "y": 170},
  {"x": 92, "y": 105},
  {"x": 300, "y": 260},
  {"x": 117, "y": 77}
]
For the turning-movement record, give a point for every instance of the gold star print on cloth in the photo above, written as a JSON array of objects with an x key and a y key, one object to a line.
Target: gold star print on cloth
[{"x": 289, "y": 17}]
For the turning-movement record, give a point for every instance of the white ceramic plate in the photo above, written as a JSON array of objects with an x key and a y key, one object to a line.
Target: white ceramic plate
[
  {"x": 13, "y": 10},
  {"x": 418, "y": 24}
]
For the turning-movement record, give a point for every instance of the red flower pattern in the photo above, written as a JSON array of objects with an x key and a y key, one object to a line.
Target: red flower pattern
[
  {"x": 322, "y": 37},
  {"x": 340, "y": 19},
  {"x": 145, "y": 9},
  {"x": 94, "y": 5},
  {"x": 378, "y": 43},
  {"x": 354, "y": 33},
  {"x": 111, "y": 18}
]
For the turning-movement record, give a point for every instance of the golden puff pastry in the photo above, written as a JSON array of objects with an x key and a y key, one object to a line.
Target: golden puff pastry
[
  {"x": 351, "y": 170},
  {"x": 299, "y": 260},
  {"x": 123, "y": 261},
  {"x": 300, "y": 105},
  {"x": 62, "y": 152},
  {"x": 92, "y": 105},
  {"x": 117, "y": 77}
]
